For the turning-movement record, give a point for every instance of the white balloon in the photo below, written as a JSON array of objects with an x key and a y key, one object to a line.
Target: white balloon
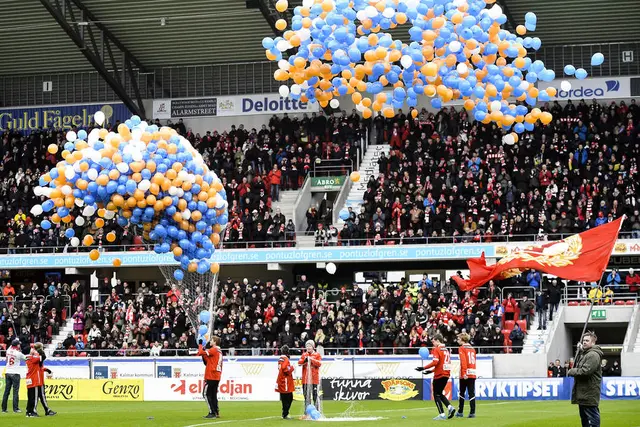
[
  {"x": 495, "y": 106},
  {"x": 412, "y": 4},
  {"x": 304, "y": 34},
  {"x": 71, "y": 136},
  {"x": 371, "y": 11},
  {"x": 94, "y": 136},
  {"x": 388, "y": 13},
  {"x": 360, "y": 107},
  {"x": 88, "y": 211},
  {"x": 307, "y": 3},
  {"x": 180, "y": 192},
  {"x": 80, "y": 221},
  {"x": 462, "y": 68},
  {"x": 75, "y": 241},
  {"x": 361, "y": 15},
  {"x": 136, "y": 155},
  {"x": 283, "y": 64},
  {"x": 66, "y": 190},
  {"x": 565, "y": 86},
  {"x": 183, "y": 174},
  {"x": 283, "y": 91},
  {"x": 508, "y": 139},
  {"x": 283, "y": 45},
  {"x": 144, "y": 185},
  {"x": 331, "y": 268},
  {"x": 455, "y": 46},
  {"x": 173, "y": 191},
  {"x": 406, "y": 61},
  {"x": 136, "y": 134},
  {"x": 334, "y": 103},
  {"x": 96, "y": 156},
  {"x": 92, "y": 174},
  {"x": 296, "y": 89},
  {"x": 79, "y": 202},
  {"x": 219, "y": 201},
  {"x": 186, "y": 214},
  {"x": 69, "y": 173},
  {"x": 304, "y": 85},
  {"x": 495, "y": 12},
  {"x": 36, "y": 210},
  {"x": 109, "y": 215},
  {"x": 99, "y": 118},
  {"x": 37, "y": 191},
  {"x": 122, "y": 167}
]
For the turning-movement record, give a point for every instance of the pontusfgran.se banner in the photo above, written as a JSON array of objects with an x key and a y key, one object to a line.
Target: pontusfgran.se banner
[{"x": 255, "y": 256}]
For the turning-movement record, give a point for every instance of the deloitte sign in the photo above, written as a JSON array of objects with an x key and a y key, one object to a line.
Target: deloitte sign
[{"x": 598, "y": 88}]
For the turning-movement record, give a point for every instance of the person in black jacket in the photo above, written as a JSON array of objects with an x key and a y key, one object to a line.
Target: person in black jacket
[
  {"x": 554, "y": 294},
  {"x": 541, "y": 308}
]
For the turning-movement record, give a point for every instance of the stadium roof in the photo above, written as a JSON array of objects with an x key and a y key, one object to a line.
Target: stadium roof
[{"x": 217, "y": 31}]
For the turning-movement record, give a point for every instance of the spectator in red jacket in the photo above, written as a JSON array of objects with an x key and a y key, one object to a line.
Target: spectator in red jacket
[
  {"x": 509, "y": 305},
  {"x": 274, "y": 180},
  {"x": 633, "y": 281}
]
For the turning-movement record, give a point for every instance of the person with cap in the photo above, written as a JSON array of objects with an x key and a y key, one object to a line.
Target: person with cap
[
  {"x": 285, "y": 381},
  {"x": 310, "y": 361},
  {"x": 12, "y": 377}
]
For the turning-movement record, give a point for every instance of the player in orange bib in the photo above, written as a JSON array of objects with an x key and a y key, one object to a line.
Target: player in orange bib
[
  {"x": 467, "y": 375},
  {"x": 212, "y": 358},
  {"x": 441, "y": 365}
]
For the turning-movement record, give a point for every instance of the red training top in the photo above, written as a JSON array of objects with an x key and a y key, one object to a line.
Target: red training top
[
  {"x": 213, "y": 360},
  {"x": 441, "y": 361},
  {"x": 284, "y": 382},
  {"x": 467, "y": 362}
]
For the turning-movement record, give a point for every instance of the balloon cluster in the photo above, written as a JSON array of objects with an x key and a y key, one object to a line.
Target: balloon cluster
[
  {"x": 457, "y": 51},
  {"x": 203, "y": 329},
  {"x": 141, "y": 176}
]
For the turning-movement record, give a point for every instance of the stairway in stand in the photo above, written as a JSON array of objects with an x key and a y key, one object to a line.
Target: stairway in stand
[{"x": 368, "y": 168}]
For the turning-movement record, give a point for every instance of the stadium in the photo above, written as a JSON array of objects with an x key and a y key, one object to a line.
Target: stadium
[{"x": 272, "y": 212}]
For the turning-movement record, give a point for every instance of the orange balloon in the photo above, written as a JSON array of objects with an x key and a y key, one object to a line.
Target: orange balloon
[
  {"x": 117, "y": 262},
  {"x": 99, "y": 223},
  {"x": 111, "y": 237},
  {"x": 94, "y": 255},
  {"x": 52, "y": 148}
]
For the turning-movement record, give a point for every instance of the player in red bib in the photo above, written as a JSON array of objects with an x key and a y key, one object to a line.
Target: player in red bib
[
  {"x": 441, "y": 365},
  {"x": 212, "y": 359},
  {"x": 285, "y": 381},
  {"x": 467, "y": 375}
]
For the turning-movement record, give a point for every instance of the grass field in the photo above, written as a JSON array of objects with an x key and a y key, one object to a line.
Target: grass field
[{"x": 250, "y": 414}]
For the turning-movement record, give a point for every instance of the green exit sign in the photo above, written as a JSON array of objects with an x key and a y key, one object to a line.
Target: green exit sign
[{"x": 599, "y": 314}]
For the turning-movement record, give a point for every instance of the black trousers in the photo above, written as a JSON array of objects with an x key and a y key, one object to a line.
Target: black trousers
[
  {"x": 12, "y": 382},
  {"x": 590, "y": 416},
  {"x": 286, "y": 399},
  {"x": 210, "y": 394},
  {"x": 35, "y": 395},
  {"x": 310, "y": 392},
  {"x": 442, "y": 403},
  {"x": 467, "y": 386}
]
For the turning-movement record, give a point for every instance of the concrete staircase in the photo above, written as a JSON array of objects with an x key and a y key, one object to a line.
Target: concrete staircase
[
  {"x": 368, "y": 168},
  {"x": 286, "y": 203},
  {"x": 64, "y": 331},
  {"x": 536, "y": 339},
  {"x": 636, "y": 345}
]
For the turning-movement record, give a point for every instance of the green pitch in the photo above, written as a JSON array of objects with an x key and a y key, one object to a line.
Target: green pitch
[{"x": 250, "y": 414}]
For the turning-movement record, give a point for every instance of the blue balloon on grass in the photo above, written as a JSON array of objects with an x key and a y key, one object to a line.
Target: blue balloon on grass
[
  {"x": 597, "y": 59},
  {"x": 315, "y": 415},
  {"x": 205, "y": 316},
  {"x": 309, "y": 409},
  {"x": 424, "y": 353}
]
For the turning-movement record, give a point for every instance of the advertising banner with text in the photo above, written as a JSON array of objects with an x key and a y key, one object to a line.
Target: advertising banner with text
[
  {"x": 59, "y": 117},
  {"x": 591, "y": 88}
]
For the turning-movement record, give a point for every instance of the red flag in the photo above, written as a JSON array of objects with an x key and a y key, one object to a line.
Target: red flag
[{"x": 582, "y": 257}]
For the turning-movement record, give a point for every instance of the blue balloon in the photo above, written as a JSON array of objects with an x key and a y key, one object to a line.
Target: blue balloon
[
  {"x": 424, "y": 353},
  {"x": 45, "y": 224},
  {"x": 597, "y": 59},
  {"x": 581, "y": 74},
  {"x": 344, "y": 214},
  {"x": 69, "y": 233},
  {"x": 204, "y": 316},
  {"x": 203, "y": 329},
  {"x": 315, "y": 415},
  {"x": 569, "y": 70},
  {"x": 309, "y": 409},
  {"x": 178, "y": 274}
]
